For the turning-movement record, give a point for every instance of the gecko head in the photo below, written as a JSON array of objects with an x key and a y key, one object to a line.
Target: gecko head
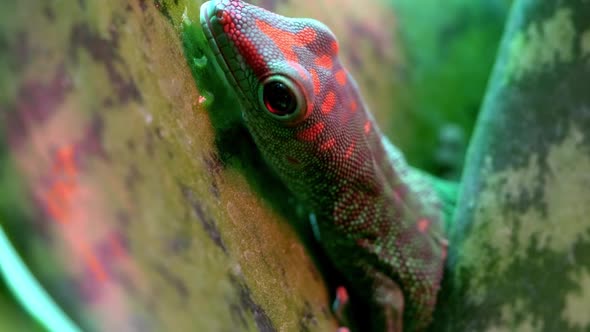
[{"x": 293, "y": 89}]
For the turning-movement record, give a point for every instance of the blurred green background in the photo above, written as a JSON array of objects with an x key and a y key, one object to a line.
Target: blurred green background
[{"x": 12, "y": 317}]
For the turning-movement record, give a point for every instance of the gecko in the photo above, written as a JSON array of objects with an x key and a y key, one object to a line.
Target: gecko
[{"x": 379, "y": 221}]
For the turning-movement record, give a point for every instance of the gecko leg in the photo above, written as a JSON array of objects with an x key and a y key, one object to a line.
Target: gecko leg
[
  {"x": 389, "y": 300},
  {"x": 341, "y": 300},
  {"x": 385, "y": 302},
  {"x": 339, "y": 306}
]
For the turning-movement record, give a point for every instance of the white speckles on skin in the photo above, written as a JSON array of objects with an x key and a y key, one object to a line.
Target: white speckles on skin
[
  {"x": 542, "y": 44},
  {"x": 577, "y": 303}
]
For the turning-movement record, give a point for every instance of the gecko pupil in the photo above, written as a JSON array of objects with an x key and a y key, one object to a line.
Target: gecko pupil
[{"x": 279, "y": 99}]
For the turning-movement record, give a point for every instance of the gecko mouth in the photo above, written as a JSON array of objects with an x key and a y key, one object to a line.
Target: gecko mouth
[{"x": 213, "y": 30}]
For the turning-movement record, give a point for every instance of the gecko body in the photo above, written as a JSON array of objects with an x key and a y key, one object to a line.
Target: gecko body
[{"x": 377, "y": 219}]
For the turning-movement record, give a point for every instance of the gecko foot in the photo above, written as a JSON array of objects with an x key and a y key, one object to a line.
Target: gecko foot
[
  {"x": 339, "y": 306},
  {"x": 389, "y": 298},
  {"x": 340, "y": 302}
]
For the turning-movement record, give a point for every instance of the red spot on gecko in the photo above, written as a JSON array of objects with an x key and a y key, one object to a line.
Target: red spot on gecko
[
  {"x": 345, "y": 117},
  {"x": 327, "y": 145},
  {"x": 306, "y": 36},
  {"x": 367, "y": 126},
  {"x": 335, "y": 47},
  {"x": 329, "y": 103},
  {"x": 423, "y": 225},
  {"x": 245, "y": 46},
  {"x": 349, "y": 151},
  {"x": 341, "y": 77},
  {"x": 316, "y": 82},
  {"x": 311, "y": 133},
  {"x": 353, "y": 106},
  {"x": 286, "y": 40},
  {"x": 324, "y": 61}
]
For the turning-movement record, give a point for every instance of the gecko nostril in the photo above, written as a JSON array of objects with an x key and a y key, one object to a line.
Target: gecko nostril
[
  {"x": 223, "y": 15},
  {"x": 213, "y": 12}
]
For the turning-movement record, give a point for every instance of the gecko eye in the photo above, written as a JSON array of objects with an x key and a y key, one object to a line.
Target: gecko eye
[
  {"x": 278, "y": 98},
  {"x": 282, "y": 98}
]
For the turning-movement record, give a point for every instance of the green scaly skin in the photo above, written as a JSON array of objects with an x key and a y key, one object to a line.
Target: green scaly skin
[{"x": 379, "y": 221}]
